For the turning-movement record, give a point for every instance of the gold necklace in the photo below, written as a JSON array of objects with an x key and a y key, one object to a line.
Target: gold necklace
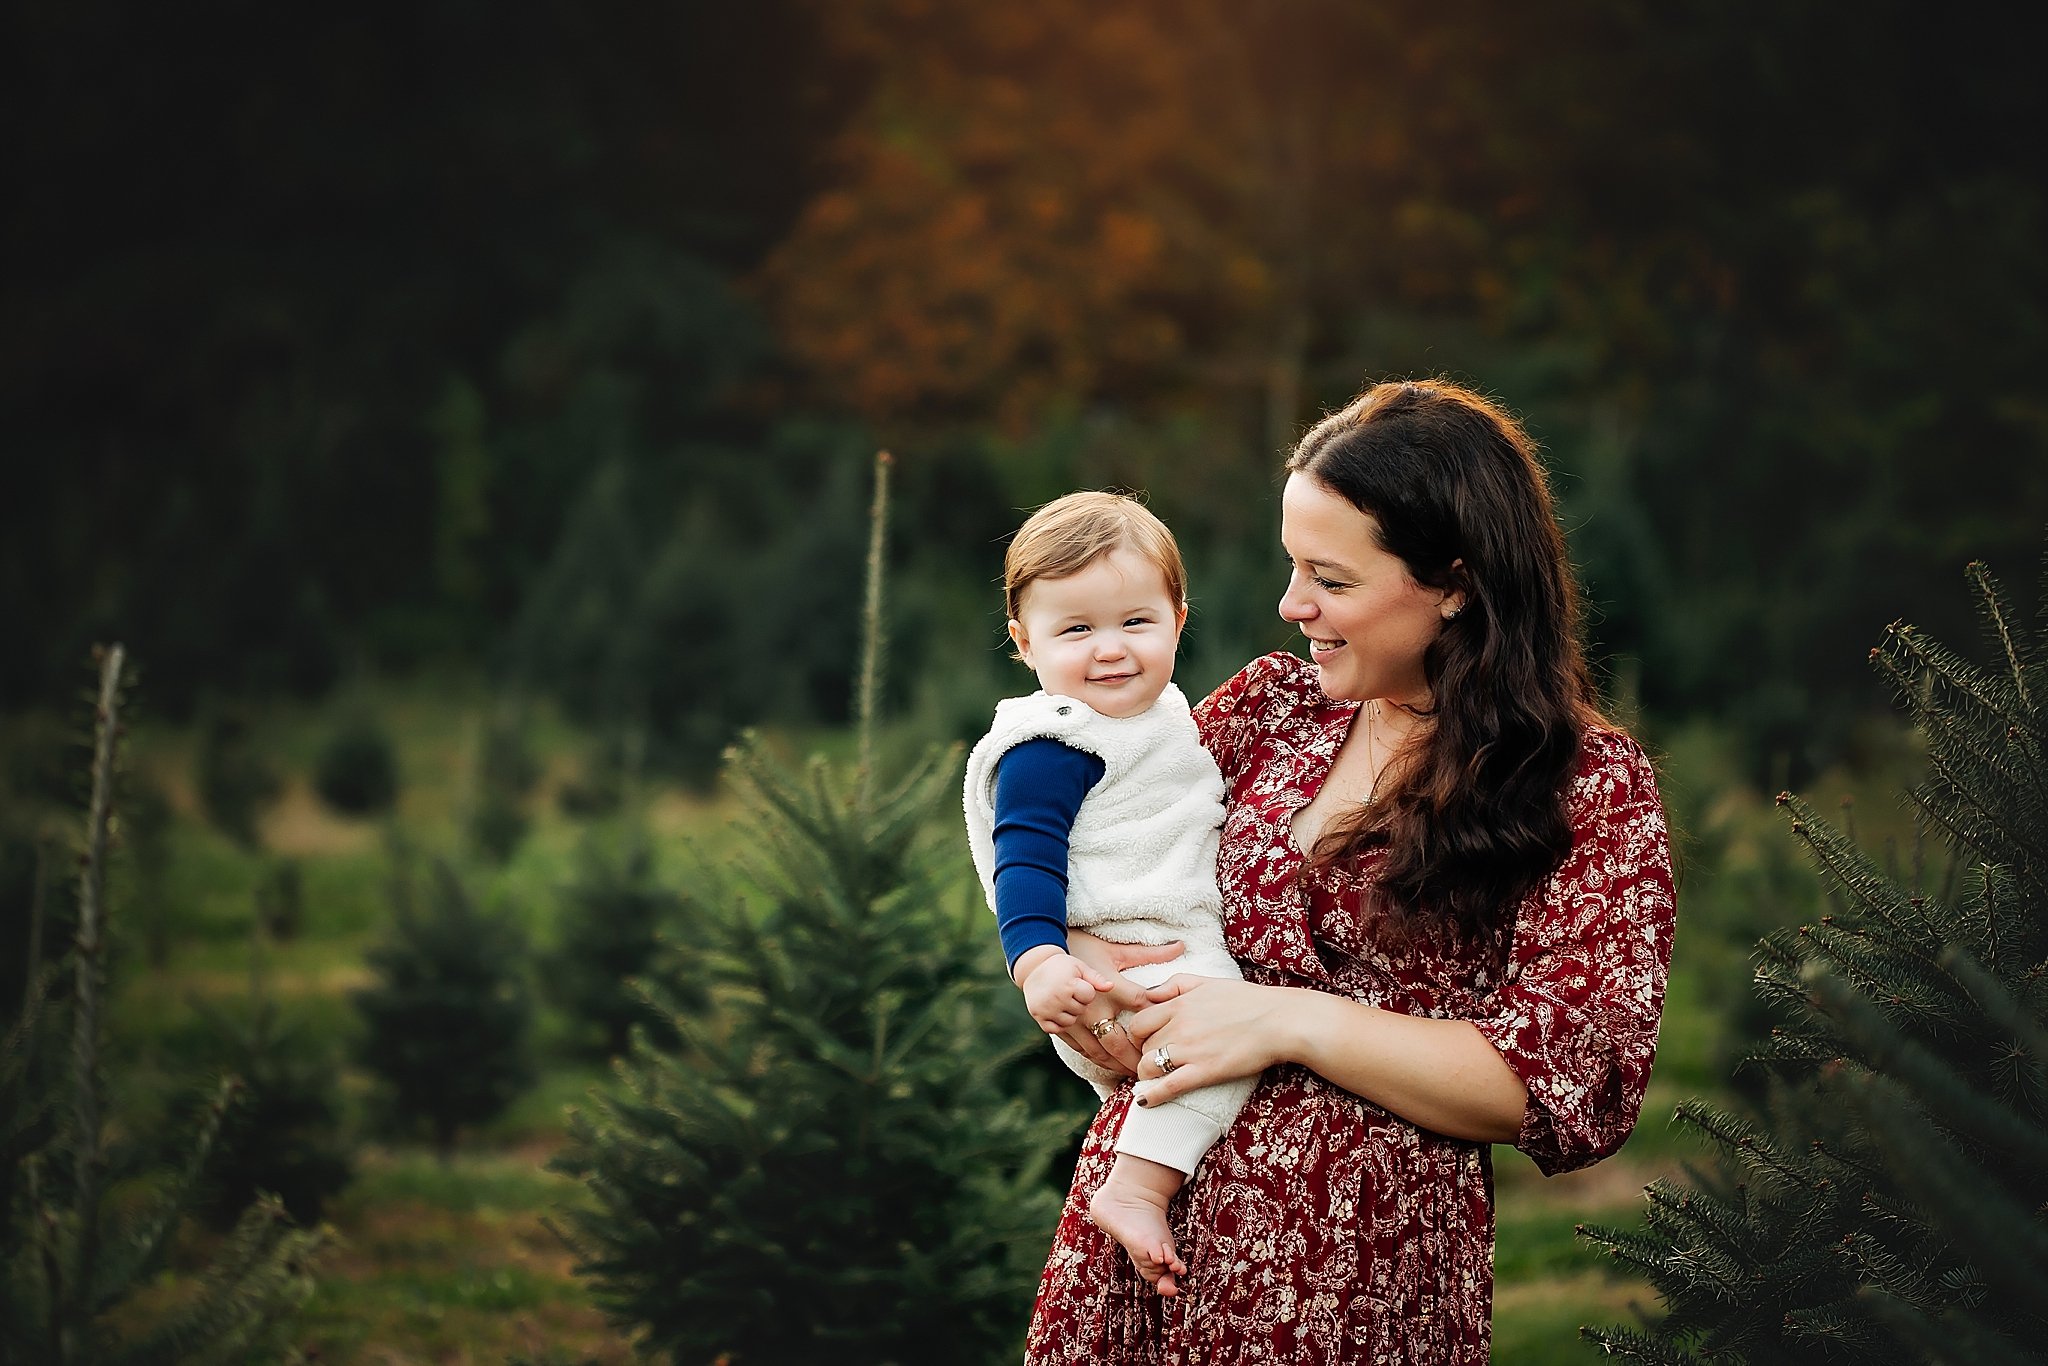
[{"x": 1372, "y": 716}]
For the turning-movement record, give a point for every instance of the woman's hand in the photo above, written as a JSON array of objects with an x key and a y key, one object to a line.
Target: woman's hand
[
  {"x": 1099, "y": 1036},
  {"x": 1212, "y": 1029}
]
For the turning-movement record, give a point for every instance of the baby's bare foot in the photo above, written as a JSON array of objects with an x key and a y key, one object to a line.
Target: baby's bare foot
[{"x": 1136, "y": 1217}]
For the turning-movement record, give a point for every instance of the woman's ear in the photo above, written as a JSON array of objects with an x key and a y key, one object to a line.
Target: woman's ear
[{"x": 1456, "y": 592}]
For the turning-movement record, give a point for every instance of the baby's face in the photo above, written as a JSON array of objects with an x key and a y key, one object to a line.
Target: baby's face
[{"x": 1105, "y": 636}]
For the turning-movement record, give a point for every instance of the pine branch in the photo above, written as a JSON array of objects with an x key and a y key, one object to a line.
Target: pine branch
[
  {"x": 1902, "y": 978},
  {"x": 143, "y": 1243},
  {"x": 1949, "y": 1191},
  {"x": 38, "y": 888},
  {"x": 1974, "y": 825},
  {"x": 1932, "y": 1081},
  {"x": 1707, "y": 1218},
  {"x": 1953, "y": 1339},
  {"x": 1975, "y": 779},
  {"x": 1952, "y": 671},
  {"x": 1838, "y": 1328},
  {"x": 2004, "y": 630},
  {"x": 86, "y": 1141},
  {"x": 1629, "y": 1345},
  {"x": 1848, "y": 867},
  {"x": 1786, "y": 1050},
  {"x": 1747, "y": 1143},
  {"x": 23, "y": 1110},
  {"x": 1884, "y": 1269},
  {"x": 1633, "y": 1250},
  {"x": 258, "y": 1276},
  {"x": 1966, "y": 756},
  {"x": 2005, "y": 1012},
  {"x": 873, "y": 635}
]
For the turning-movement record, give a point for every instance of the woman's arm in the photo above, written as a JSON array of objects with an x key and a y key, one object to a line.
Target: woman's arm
[
  {"x": 1559, "y": 1062},
  {"x": 1440, "y": 1075}
]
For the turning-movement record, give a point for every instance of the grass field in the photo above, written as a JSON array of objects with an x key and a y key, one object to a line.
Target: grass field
[{"x": 435, "y": 1262}]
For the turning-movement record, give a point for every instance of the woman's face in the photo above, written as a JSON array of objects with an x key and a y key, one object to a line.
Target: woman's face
[{"x": 1367, "y": 621}]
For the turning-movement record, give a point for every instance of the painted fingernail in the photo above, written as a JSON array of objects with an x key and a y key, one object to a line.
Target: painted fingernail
[{"x": 1142, "y": 1102}]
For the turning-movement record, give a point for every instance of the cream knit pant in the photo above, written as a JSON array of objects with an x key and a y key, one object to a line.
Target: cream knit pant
[{"x": 1177, "y": 1133}]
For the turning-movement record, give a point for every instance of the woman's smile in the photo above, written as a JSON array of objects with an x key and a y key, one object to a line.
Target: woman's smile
[{"x": 1346, "y": 590}]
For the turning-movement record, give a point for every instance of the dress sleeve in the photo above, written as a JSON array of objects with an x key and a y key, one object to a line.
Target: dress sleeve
[
  {"x": 1576, "y": 1015},
  {"x": 1039, "y": 788}
]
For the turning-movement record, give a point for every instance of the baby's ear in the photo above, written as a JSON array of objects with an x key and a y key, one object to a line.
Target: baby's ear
[
  {"x": 1180, "y": 617},
  {"x": 1020, "y": 642}
]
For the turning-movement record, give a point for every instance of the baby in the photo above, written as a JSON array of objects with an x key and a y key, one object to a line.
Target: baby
[{"x": 1092, "y": 803}]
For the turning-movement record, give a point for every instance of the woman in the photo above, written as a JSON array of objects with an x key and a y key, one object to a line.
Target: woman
[{"x": 1448, "y": 882}]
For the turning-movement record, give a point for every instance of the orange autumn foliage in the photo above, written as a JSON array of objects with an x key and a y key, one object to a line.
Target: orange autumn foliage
[
  {"x": 1015, "y": 216},
  {"x": 1067, "y": 200}
]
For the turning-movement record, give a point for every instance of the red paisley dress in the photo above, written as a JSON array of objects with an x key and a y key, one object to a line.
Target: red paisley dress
[{"x": 1321, "y": 1228}]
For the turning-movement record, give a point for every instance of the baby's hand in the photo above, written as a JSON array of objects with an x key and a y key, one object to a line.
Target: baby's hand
[{"x": 1058, "y": 989}]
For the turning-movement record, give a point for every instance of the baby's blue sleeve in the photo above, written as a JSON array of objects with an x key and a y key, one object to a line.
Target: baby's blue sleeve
[{"x": 1039, "y": 787}]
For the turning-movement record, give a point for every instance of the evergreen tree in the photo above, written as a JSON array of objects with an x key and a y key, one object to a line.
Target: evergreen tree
[
  {"x": 833, "y": 1168},
  {"x": 503, "y": 776},
  {"x": 286, "y": 1136},
  {"x": 71, "y": 1257},
  {"x": 357, "y": 769},
  {"x": 235, "y": 780},
  {"x": 281, "y": 900},
  {"x": 1890, "y": 1203},
  {"x": 830, "y": 1168},
  {"x": 612, "y": 922},
  {"x": 610, "y": 775},
  {"x": 446, "y": 1024}
]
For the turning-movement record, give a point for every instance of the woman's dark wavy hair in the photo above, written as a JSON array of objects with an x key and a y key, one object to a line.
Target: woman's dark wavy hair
[{"x": 1476, "y": 818}]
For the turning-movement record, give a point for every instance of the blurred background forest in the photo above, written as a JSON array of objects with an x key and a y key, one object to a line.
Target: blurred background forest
[
  {"x": 551, "y": 343},
  {"x": 495, "y": 389}
]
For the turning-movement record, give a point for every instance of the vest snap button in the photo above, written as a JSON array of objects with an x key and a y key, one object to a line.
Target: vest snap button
[{"x": 1063, "y": 710}]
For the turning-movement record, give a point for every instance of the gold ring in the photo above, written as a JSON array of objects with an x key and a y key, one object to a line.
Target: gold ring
[
  {"x": 1100, "y": 1029},
  {"x": 1163, "y": 1058}
]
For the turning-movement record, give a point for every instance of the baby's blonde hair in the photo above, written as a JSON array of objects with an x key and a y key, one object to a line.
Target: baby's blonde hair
[{"x": 1070, "y": 533}]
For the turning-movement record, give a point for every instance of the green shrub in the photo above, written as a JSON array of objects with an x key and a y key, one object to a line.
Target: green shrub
[
  {"x": 505, "y": 774},
  {"x": 356, "y": 772},
  {"x": 497, "y": 825},
  {"x": 235, "y": 780},
  {"x": 610, "y": 930},
  {"x": 285, "y": 1137},
  {"x": 447, "y": 1020},
  {"x": 281, "y": 900}
]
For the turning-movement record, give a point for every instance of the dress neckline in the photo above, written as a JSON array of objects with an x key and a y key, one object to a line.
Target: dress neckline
[{"x": 1341, "y": 718}]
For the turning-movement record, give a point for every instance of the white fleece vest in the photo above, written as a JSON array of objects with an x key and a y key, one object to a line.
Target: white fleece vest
[{"x": 1141, "y": 860}]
